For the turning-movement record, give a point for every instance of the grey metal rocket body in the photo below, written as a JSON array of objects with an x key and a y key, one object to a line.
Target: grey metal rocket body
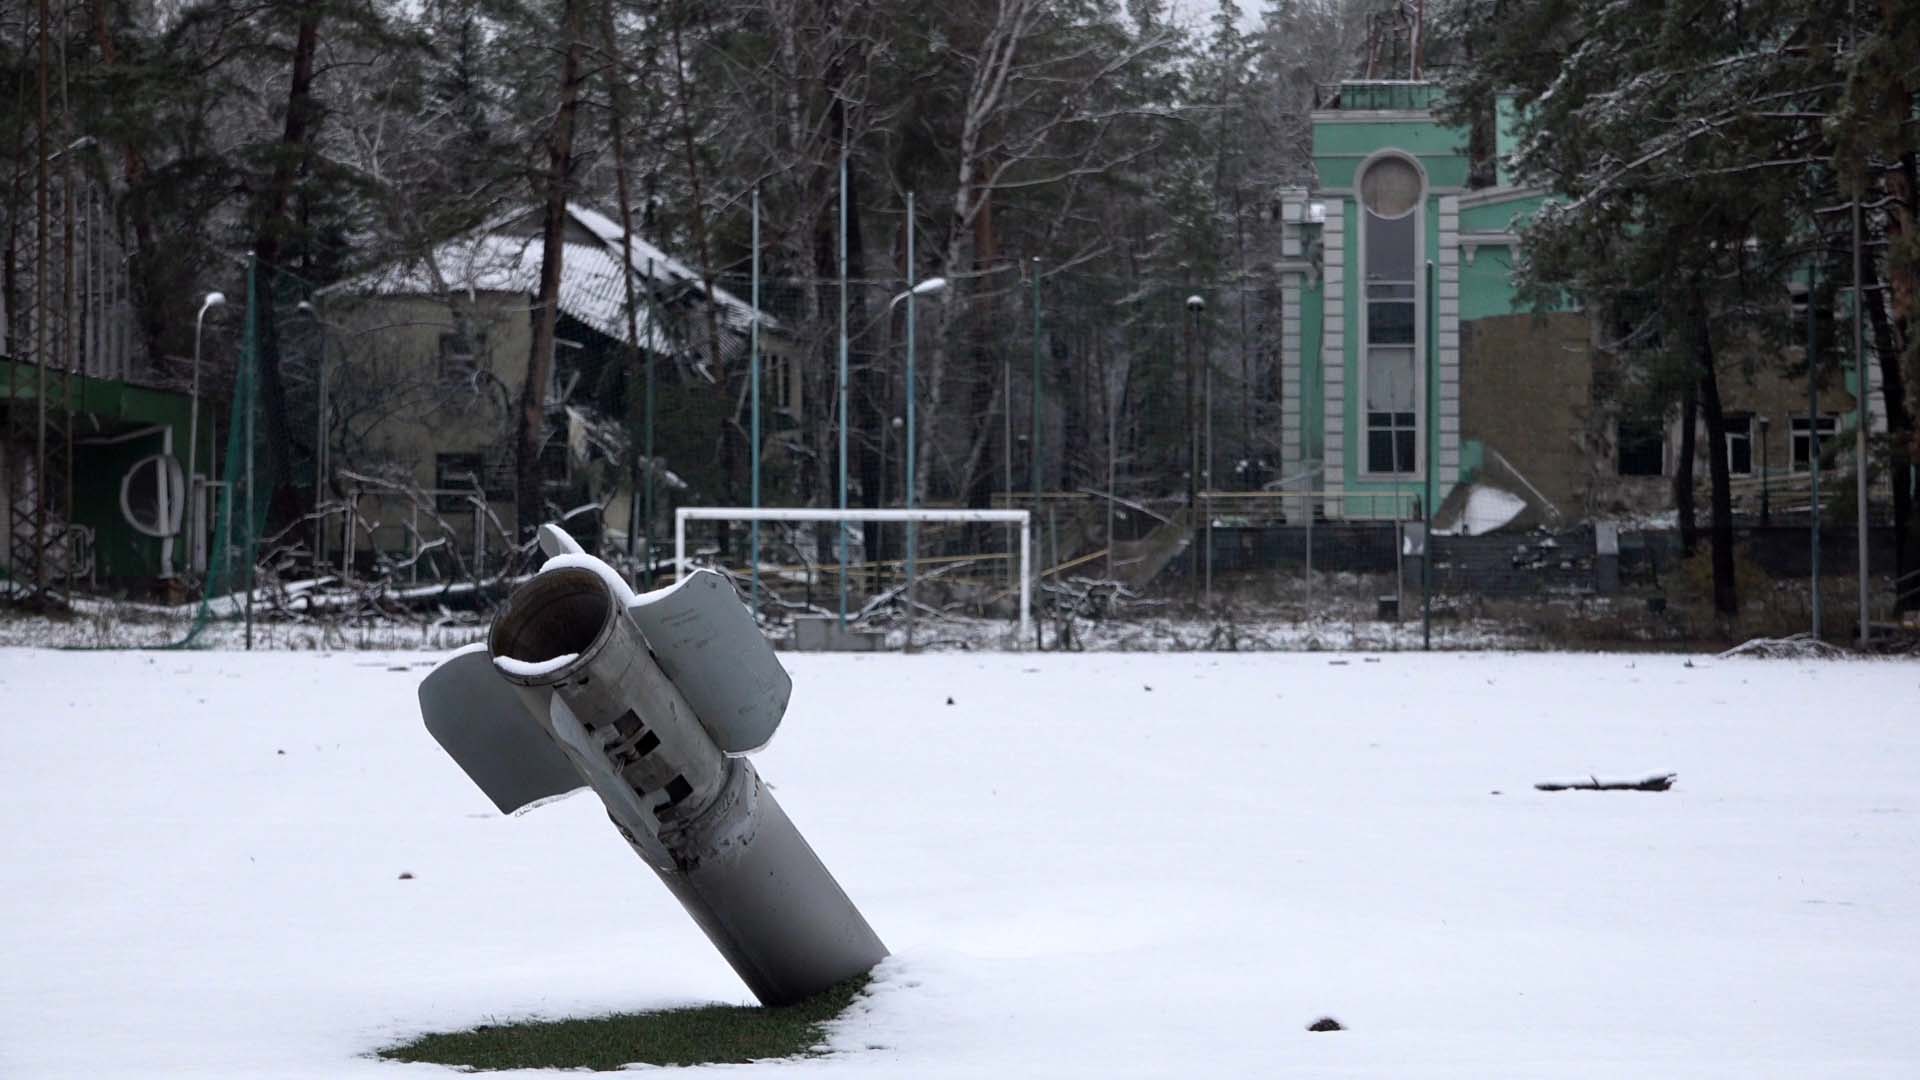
[{"x": 704, "y": 821}]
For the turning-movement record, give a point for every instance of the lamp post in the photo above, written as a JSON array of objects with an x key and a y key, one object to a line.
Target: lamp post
[
  {"x": 193, "y": 421},
  {"x": 1859, "y": 390},
  {"x": 914, "y": 290},
  {"x": 1813, "y": 443},
  {"x": 1033, "y": 451},
  {"x": 1195, "y": 305},
  {"x": 1766, "y": 502},
  {"x": 840, "y": 382},
  {"x": 1033, "y": 447},
  {"x": 1426, "y": 509},
  {"x": 253, "y": 396},
  {"x": 754, "y": 375}
]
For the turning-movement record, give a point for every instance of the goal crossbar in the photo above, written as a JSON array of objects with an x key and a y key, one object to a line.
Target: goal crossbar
[{"x": 1022, "y": 518}]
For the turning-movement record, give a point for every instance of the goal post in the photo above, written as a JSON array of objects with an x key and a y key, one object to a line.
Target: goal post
[{"x": 1022, "y": 518}]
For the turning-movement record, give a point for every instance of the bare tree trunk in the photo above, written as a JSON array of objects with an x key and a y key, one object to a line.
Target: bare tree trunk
[
  {"x": 1903, "y": 276},
  {"x": 530, "y": 428},
  {"x": 989, "y": 378},
  {"x": 986, "y": 96},
  {"x": 1683, "y": 469},
  {"x": 1887, "y": 344},
  {"x": 271, "y": 227},
  {"x": 704, "y": 247},
  {"x": 868, "y": 392},
  {"x": 10, "y": 292},
  {"x": 1726, "y": 599},
  {"x": 1899, "y": 356},
  {"x": 623, "y": 193},
  {"x": 823, "y": 401},
  {"x": 147, "y": 298},
  {"x": 1903, "y": 189}
]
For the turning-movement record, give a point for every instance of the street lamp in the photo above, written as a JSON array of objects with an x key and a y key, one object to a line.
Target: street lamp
[
  {"x": 193, "y": 420},
  {"x": 929, "y": 287},
  {"x": 925, "y": 288},
  {"x": 1033, "y": 451},
  {"x": 1766, "y": 514},
  {"x": 1195, "y": 306}
]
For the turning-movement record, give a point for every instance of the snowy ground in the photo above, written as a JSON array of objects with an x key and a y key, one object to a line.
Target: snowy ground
[
  {"x": 1336, "y": 626},
  {"x": 1079, "y": 875}
]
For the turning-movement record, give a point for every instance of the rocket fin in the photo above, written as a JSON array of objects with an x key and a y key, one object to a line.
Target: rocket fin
[
  {"x": 478, "y": 719},
  {"x": 707, "y": 643}
]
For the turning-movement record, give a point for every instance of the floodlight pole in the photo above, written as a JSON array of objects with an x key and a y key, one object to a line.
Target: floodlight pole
[
  {"x": 653, "y": 465},
  {"x": 193, "y": 416},
  {"x": 754, "y": 527},
  {"x": 1813, "y": 439},
  {"x": 1033, "y": 451},
  {"x": 253, "y": 374},
  {"x": 1766, "y": 479},
  {"x": 1106, "y": 397},
  {"x": 1859, "y": 395},
  {"x": 1006, "y": 425},
  {"x": 913, "y": 391},
  {"x": 1426, "y": 512},
  {"x": 1194, "y": 304},
  {"x": 1206, "y": 473},
  {"x": 842, "y": 380}
]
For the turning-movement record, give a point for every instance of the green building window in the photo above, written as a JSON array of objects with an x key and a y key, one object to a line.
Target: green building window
[{"x": 1390, "y": 196}]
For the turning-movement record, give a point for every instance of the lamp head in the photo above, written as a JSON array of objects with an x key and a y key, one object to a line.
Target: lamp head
[
  {"x": 925, "y": 288},
  {"x": 1195, "y": 303}
]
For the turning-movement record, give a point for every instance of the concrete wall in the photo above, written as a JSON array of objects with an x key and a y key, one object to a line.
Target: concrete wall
[
  {"x": 403, "y": 410},
  {"x": 1526, "y": 392},
  {"x": 1757, "y": 386},
  {"x": 1342, "y": 139},
  {"x": 1771, "y": 393}
]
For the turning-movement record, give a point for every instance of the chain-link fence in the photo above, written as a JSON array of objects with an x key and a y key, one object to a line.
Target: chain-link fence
[{"x": 1138, "y": 420}]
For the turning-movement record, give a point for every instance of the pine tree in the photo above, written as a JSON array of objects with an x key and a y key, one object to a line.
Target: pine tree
[{"x": 1686, "y": 148}]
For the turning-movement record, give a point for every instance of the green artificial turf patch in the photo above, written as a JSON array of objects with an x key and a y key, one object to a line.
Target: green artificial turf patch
[{"x": 702, "y": 1035}]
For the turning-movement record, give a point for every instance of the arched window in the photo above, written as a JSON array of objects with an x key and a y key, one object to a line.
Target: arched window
[
  {"x": 1391, "y": 193},
  {"x": 153, "y": 495}
]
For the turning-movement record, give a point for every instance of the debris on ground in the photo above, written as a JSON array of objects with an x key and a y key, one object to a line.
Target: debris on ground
[
  {"x": 1802, "y": 646},
  {"x": 1661, "y": 782}
]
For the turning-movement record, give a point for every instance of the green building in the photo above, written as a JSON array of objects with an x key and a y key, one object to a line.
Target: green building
[
  {"x": 120, "y": 449},
  {"x": 1407, "y": 360}
]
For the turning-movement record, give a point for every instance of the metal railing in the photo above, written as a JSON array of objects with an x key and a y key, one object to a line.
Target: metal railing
[{"x": 1247, "y": 509}]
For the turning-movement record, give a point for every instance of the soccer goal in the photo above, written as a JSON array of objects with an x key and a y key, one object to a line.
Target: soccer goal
[{"x": 1022, "y": 518}]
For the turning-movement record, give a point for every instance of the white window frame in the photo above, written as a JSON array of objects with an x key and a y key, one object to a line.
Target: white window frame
[
  {"x": 1749, "y": 423},
  {"x": 1420, "y": 316},
  {"x": 1799, "y": 428}
]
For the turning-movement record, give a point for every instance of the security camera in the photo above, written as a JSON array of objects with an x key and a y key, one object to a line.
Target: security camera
[{"x": 1194, "y": 303}]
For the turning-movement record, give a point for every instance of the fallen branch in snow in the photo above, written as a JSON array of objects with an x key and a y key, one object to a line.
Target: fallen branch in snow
[
  {"x": 1802, "y": 646},
  {"x": 1652, "y": 783}
]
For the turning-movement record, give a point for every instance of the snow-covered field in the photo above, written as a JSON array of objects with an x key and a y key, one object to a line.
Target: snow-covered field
[{"x": 1089, "y": 865}]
